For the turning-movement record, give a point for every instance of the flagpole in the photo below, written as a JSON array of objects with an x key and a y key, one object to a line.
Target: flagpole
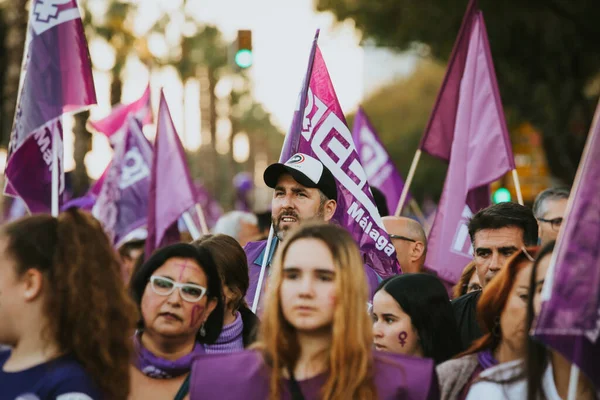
[
  {"x": 411, "y": 174},
  {"x": 189, "y": 223},
  {"x": 203, "y": 225},
  {"x": 54, "y": 193},
  {"x": 418, "y": 212},
  {"x": 573, "y": 381},
  {"x": 515, "y": 176},
  {"x": 263, "y": 267}
]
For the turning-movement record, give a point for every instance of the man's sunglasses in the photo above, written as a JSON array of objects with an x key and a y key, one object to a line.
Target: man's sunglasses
[{"x": 392, "y": 236}]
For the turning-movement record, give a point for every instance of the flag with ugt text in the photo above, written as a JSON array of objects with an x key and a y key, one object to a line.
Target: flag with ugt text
[
  {"x": 319, "y": 129},
  {"x": 122, "y": 205},
  {"x": 379, "y": 167},
  {"x": 56, "y": 78}
]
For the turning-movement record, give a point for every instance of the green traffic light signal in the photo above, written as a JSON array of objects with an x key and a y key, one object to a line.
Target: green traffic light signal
[
  {"x": 243, "y": 58},
  {"x": 502, "y": 195}
]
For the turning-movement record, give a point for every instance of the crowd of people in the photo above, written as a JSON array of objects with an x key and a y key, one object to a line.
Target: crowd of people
[{"x": 82, "y": 321}]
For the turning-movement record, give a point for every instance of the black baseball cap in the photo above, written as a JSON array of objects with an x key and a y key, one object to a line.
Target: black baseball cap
[{"x": 307, "y": 171}]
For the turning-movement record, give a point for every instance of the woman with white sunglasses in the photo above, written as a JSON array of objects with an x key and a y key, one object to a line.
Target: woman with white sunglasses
[{"x": 178, "y": 292}]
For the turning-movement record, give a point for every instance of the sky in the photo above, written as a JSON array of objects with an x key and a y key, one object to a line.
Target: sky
[{"x": 282, "y": 33}]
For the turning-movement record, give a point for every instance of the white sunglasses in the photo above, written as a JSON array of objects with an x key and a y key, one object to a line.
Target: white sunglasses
[{"x": 188, "y": 291}]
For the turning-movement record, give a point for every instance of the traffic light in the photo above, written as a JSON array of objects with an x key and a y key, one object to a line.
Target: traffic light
[
  {"x": 243, "y": 54},
  {"x": 501, "y": 195}
]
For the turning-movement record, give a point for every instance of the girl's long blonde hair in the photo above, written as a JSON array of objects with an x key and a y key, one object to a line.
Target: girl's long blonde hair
[{"x": 349, "y": 360}]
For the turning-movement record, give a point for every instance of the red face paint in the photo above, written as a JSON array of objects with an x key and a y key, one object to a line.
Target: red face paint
[
  {"x": 183, "y": 267},
  {"x": 196, "y": 314},
  {"x": 402, "y": 337}
]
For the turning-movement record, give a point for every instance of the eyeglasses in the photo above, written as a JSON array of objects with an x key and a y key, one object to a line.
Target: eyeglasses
[
  {"x": 392, "y": 236},
  {"x": 188, "y": 291},
  {"x": 554, "y": 222}
]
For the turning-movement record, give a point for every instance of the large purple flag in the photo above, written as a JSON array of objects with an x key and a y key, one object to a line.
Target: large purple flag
[
  {"x": 122, "y": 205},
  {"x": 481, "y": 153},
  {"x": 171, "y": 189},
  {"x": 381, "y": 171},
  {"x": 115, "y": 124},
  {"x": 439, "y": 133},
  {"x": 569, "y": 321},
  {"x": 319, "y": 129},
  {"x": 56, "y": 78}
]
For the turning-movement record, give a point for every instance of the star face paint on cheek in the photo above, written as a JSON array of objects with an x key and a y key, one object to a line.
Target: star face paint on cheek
[
  {"x": 402, "y": 337},
  {"x": 197, "y": 312}
]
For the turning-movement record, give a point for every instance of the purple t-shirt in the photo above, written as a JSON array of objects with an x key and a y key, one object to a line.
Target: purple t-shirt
[
  {"x": 62, "y": 379},
  {"x": 244, "y": 375}
]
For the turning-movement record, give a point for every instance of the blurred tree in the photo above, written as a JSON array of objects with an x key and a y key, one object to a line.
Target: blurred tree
[
  {"x": 545, "y": 54},
  {"x": 13, "y": 32},
  {"x": 399, "y": 113}
]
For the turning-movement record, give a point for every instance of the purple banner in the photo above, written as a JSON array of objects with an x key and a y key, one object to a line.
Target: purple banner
[
  {"x": 381, "y": 171},
  {"x": 122, "y": 205},
  {"x": 569, "y": 321},
  {"x": 319, "y": 129},
  {"x": 481, "y": 153},
  {"x": 171, "y": 190},
  {"x": 115, "y": 125},
  {"x": 56, "y": 78},
  {"x": 439, "y": 133}
]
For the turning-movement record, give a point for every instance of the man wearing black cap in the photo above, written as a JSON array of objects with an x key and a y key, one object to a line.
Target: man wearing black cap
[{"x": 304, "y": 189}]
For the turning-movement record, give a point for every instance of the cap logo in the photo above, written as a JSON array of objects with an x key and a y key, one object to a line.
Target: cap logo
[{"x": 296, "y": 159}]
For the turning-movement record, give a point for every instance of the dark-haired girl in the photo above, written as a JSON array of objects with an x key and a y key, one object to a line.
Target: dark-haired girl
[{"x": 412, "y": 315}]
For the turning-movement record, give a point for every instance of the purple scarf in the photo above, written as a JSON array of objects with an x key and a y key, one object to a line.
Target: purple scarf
[
  {"x": 159, "y": 368},
  {"x": 486, "y": 359},
  {"x": 230, "y": 339}
]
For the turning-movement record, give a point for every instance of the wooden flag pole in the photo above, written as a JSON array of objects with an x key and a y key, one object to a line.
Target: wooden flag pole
[
  {"x": 55, "y": 178},
  {"x": 203, "y": 225},
  {"x": 411, "y": 174},
  {"x": 418, "y": 213},
  {"x": 515, "y": 176}
]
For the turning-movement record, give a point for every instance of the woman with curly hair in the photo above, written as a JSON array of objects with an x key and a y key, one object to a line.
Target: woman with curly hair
[
  {"x": 316, "y": 338},
  {"x": 64, "y": 310}
]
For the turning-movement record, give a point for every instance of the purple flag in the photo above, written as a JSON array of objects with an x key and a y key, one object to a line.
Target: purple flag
[
  {"x": 171, "y": 190},
  {"x": 439, "y": 133},
  {"x": 569, "y": 321},
  {"x": 56, "y": 78},
  {"x": 115, "y": 125},
  {"x": 319, "y": 129},
  {"x": 381, "y": 171},
  {"x": 122, "y": 205},
  {"x": 481, "y": 153}
]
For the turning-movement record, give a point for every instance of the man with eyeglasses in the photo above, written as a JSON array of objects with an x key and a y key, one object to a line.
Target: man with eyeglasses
[
  {"x": 549, "y": 209},
  {"x": 408, "y": 237}
]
